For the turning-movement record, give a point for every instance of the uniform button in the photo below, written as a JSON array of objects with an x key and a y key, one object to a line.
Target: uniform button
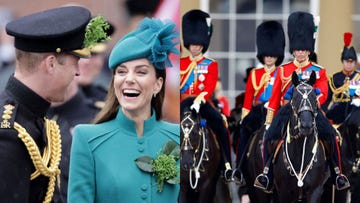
[
  {"x": 143, "y": 196},
  {"x": 141, "y": 149},
  {"x": 140, "y": 141},
  {"x": 144, "y": 187}
]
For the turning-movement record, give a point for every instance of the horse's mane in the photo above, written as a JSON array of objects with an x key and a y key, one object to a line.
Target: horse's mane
[
  {"x": 253, "y": 121},
  {"x": 276, "y": 128},
  {"x": 326, "y": 127},
  {"x": 185, "y": 104}
]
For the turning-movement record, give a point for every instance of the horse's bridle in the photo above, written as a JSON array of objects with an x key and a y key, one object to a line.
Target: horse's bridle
[
  {"x": 304, "y": 90},
  {"x": 186, "y": 145}
]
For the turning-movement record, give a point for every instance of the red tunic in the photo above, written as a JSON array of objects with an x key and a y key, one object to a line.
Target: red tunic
[
  {"x": 204, "y": 79},
  {"x": 225, "y": 109},
  {"x": 255, "y": 84},
  {"x": 283, "y": 82}
]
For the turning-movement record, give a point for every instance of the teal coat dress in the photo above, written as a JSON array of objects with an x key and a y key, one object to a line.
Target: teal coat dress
[{"x": 102, "y": 167}]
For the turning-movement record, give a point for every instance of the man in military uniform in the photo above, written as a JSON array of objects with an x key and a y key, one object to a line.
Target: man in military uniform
[
  {"x": 199, "y": 75},
  {"x": 270, "y": 41},
  {"x": 301, "y": 30},
  {"x": 76, "y": 109},
  {"x": 83, "y": 101},
  {"x": 48, "y": 46},
  {"x": 343, "y": 84}
]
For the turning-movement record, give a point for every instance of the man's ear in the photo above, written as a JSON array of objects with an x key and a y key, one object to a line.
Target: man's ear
[{"x": 50, "y": 61}]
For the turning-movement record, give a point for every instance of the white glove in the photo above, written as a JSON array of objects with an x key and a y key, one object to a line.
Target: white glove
[
  {"x": 267, "y": 126},
  {"x": 196, "y": 106}
]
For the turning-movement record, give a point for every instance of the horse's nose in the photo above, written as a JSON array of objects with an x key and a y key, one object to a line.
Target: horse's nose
[
  {"x": 186, "y": 161},
  {"x": 305, "y": 127},
  {"x": 188, "y": 165}
]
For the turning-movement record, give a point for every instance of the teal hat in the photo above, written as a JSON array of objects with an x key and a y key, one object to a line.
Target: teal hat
[{"x": 153, "y": 39}]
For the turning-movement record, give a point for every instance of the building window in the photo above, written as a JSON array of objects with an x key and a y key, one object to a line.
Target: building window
[{"x": 233, "y": 42}]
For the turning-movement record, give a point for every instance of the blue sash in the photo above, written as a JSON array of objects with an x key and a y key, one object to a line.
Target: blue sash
[
  {"x": 265, "y": 95},
  {"x": 202, "y": 68}
]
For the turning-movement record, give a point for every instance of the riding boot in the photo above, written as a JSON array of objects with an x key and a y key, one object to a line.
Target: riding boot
[
  {"x": 265, "y": 179},
  {"x": 242, "y": 146},
  {"x": 341, "y": 181},
  {"x": 225, "y": 146},
  {"x": 216, "y": 123}
]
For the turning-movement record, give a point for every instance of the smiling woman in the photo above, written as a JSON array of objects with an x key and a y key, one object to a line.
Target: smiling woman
[{"x": 102, "y": 165}]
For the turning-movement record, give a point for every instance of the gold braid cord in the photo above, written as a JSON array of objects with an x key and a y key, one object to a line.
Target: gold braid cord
[
  {"x": 48, "y": 164},
  {"x": 264, "y": 80},
  {"x": 339, "y": 94}
]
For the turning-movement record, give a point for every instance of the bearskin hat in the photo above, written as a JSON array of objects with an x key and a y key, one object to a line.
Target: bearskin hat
[
  {"x": 348, "y": 52},
  {"x": 197, "y": 29},
  {"x": 270, "y": 41},
  {"x": 301, "y": 28}
]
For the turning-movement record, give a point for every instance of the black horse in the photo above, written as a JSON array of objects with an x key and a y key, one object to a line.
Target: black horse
[
  {"x": 349, "y": 145},
  {"x": 300, "y": 168},
  {"x": 249, "y": 159},
  {"x": 200, "y": 157}
]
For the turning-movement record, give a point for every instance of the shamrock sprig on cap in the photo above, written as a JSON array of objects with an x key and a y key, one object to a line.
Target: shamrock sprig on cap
[
  {"x": 164, "y": 167},
  {"x": 95, "y": 31}
]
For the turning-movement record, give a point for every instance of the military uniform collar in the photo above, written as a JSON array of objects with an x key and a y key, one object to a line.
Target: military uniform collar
[
  {"x": 25, "y": 96},
  {"x": 302, "y": 64},
  {"x": 197, "y": 58},
  {"x": 348, "y": 73},
  {"x": 129, "y": 125}
]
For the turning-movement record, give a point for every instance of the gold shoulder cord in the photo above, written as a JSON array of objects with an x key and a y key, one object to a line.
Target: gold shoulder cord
[
  {"x": 253, "y": 80},
  {"x": 52, "y": 154},
  {"x": 285, "y": 80},
  {"x": 339, "y": 93}
]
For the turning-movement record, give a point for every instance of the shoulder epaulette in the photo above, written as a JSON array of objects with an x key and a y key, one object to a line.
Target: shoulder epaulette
[
  {"x": 317, "y": 65},
  {"x": 210, "y": 59},
  {"x": 8, "y": 116}
]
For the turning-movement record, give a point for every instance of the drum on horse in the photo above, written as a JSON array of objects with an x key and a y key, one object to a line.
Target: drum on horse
[
  {"x": 300, "y": 168},
  {"x": 200, "y": 157}
]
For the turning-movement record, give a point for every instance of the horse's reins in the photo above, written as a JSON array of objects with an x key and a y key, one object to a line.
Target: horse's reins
[
  {"x": 302, "y": 174},
  {"x": 196, "y": 169}
]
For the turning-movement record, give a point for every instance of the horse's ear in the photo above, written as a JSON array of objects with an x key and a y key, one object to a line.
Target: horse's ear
[
  {"x": 295, "y": 79},
  {"x": 312, "y": 79}
]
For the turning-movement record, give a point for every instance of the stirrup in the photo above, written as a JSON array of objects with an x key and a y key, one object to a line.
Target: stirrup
[
  {"x": 228, "y": 178},
  {"x": 259, "y": 185},
  {"x": 241, "y": 182},
  {"x": 345, "y": 186}
]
